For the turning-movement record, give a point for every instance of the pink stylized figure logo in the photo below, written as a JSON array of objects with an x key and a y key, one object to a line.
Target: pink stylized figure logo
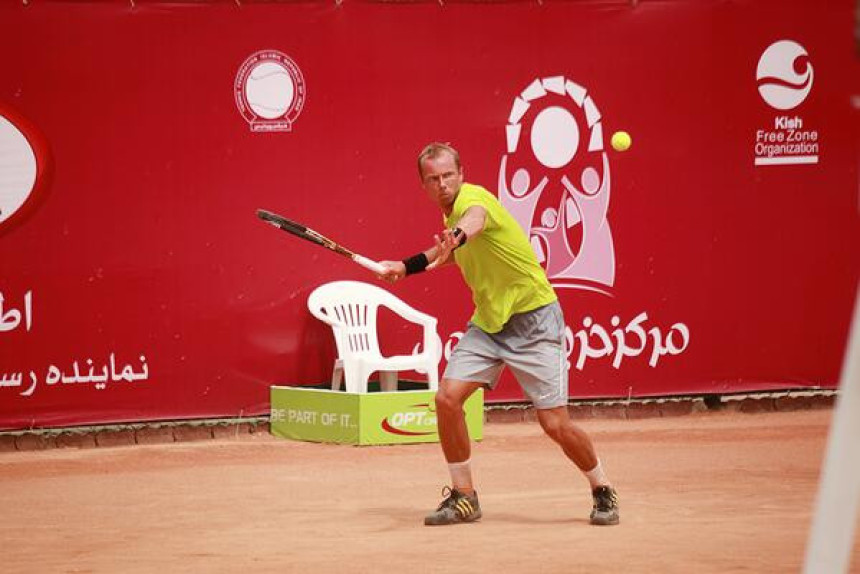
[{"x": 564, "y": 213}]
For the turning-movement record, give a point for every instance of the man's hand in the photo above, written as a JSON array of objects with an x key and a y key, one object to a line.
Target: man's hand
[
  {"x": 394, "y": 271},
  {"x": 445, "y": 246}
]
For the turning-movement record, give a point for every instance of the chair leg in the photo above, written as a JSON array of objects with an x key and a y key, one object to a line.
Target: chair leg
[
  {"x": 353, "y": 377},
  {"x": 363, "y": 377},
  {"x": 433, "y": 376},
  {"x": 337, "y": 375},
  {"x": 388, "y": 380}
]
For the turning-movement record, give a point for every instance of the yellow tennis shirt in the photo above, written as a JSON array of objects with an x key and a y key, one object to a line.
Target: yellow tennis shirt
[{"x": 498, "y": 264}]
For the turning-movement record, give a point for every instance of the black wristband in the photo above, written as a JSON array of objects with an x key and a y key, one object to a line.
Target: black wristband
[
  {"x": 416, "y": 263},
  {"x": 461, "y": 235}
]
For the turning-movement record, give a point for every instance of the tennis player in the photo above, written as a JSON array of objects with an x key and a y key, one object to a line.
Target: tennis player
[{"x": 517, "y": 322}]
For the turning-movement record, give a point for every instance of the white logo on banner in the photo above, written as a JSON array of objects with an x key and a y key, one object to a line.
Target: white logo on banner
[
  {"x": 564, "y": 212},
  {"x": 564, "y": 215},
  {"x": 18, "y": 169},
  {"x": 784, "y": 76},
  {"x": 270, "y": 91}
]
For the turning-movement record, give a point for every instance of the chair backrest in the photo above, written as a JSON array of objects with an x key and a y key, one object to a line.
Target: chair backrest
[{"x": 350, "y": 308}]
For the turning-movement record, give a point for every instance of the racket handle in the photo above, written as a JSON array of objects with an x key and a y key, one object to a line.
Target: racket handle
[{"x": 369, "y": 264}]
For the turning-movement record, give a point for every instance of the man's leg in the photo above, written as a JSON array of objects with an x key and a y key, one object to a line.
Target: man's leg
[
  {"x": 573, "y": 441},
  {"x": 461, "y": 502},
  {"x": 453, "y": 433},
  {"x": 577, "y": 446}
]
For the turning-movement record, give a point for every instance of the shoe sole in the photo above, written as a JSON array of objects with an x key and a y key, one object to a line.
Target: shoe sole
[
  {"x": 473, "y": 519},
  {"x": 608, "y": 522}
]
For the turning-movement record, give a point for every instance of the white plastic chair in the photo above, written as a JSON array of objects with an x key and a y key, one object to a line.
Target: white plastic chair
[{"x": 350, "y": 308}]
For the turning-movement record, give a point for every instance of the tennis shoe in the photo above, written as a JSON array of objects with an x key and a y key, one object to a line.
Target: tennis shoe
[
  {"x": 605, "y": 510},
  {"x": 455, "y": 508}
]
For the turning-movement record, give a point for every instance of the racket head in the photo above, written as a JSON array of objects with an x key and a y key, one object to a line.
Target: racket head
[
  {"x": 280, "y": 221},
  {"x": 288, "y": 225},
  {"x": 302, "y": 231}
]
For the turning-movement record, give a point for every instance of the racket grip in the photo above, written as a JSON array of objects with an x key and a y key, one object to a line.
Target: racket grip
[{"x": 369, "y": 264}]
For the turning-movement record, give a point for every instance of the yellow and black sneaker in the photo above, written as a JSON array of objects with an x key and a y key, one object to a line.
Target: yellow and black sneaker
[
  {"x": 457, "y": 507},
  {"x": 605, "y": 510}
]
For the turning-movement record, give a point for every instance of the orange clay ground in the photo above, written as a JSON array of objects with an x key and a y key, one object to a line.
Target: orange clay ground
[{"x": 710, "y": 492}]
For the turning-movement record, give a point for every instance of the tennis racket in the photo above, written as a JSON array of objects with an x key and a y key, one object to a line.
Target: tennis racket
[{"x": 308, "y": 234}]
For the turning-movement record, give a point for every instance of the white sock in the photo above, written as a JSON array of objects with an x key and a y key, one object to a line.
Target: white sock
[
  {"x": 461, "y": 475},
  {"x": 596, "y": 477}
]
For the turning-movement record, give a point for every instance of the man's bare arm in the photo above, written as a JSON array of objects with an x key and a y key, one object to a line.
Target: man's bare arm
[
  {"x": 442, "y": 253},
  {"x": 470, "y": 225}
]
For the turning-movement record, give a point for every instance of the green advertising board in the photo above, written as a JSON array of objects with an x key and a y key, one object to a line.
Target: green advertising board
[{"x": 323, "y": 415}]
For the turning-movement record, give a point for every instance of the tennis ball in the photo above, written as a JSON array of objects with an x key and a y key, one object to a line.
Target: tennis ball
[{"x": 621, "y": 141}]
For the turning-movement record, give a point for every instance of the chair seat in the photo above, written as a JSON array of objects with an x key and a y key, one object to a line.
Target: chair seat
[{"x": 399, "y": 362}]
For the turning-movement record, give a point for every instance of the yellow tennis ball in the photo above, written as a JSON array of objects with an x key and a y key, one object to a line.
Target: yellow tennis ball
[{"x": 621, "y": 141}]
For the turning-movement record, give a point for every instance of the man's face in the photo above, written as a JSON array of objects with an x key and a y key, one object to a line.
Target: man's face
[{"x": 441, "y": 179}]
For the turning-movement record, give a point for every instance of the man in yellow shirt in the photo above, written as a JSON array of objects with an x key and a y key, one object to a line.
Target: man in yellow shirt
[{"x": 517, "y": 323}]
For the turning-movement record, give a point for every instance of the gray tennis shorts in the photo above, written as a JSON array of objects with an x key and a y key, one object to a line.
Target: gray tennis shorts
[{"x": 530, "y": 343}]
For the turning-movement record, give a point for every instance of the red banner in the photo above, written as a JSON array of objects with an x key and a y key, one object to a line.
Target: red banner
[{"x": 718, "y": 254}]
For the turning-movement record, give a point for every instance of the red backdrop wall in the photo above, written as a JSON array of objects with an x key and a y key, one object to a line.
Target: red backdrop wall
[{"x": 137, "y": 256}]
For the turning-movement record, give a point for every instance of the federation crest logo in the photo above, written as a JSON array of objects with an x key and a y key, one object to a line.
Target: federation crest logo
[
  {"x": 784, "y": 75},
  {"x": 555, "y": 181},
  {"x": 270, "y": 91}
]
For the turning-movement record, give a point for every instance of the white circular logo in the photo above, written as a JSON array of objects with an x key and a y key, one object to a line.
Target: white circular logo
[
  {"x": 784, "y": 75},
  {"x": 269, "y": 91},
  {"x": 555, "y": 137},
  {"x": 19, "y": 169}
]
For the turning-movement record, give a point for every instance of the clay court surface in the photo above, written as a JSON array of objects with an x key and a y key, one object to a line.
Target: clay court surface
[{"x": 710, "y": 492}]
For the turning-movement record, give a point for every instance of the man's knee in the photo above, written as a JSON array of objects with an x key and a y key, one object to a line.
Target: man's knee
[
  {"x": 553, "y": 428},
  {"x": 554, "y": 424},
  {"x": 451, "y": 397},
  {"x": 447, "y": 402}
]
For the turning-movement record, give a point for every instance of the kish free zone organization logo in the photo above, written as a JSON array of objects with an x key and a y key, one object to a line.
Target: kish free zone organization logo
[{"x": 784, "y": 78}]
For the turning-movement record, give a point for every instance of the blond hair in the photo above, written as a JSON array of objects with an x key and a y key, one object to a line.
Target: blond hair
[{"x": 432, "y": 151}]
